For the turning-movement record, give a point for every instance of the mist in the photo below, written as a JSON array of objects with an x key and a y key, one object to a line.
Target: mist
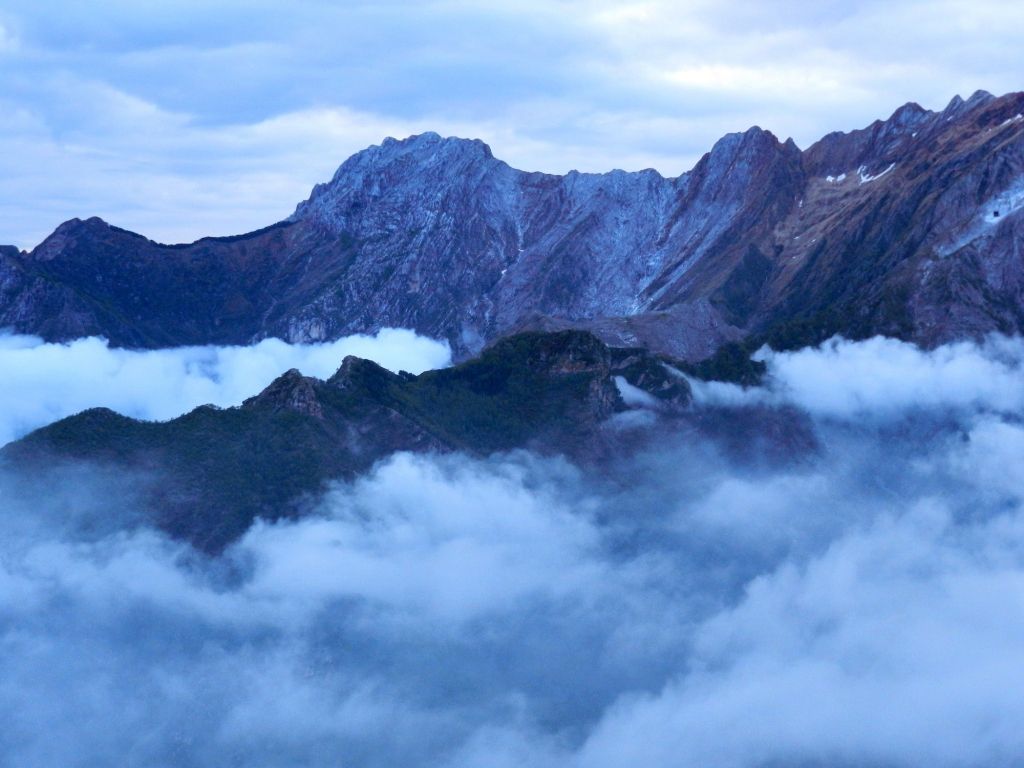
[
  {"x": 857, "y": 603},
  {"x": 882, "y": 378},
  {"x": 42, "y": 382}
]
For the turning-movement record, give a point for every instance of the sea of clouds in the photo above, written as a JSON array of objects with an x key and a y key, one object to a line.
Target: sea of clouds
[{"x": 861, "y": 603}]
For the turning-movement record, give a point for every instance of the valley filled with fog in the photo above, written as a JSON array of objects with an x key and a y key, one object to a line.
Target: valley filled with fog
[
  {"x": 44, "y": 382},
  {"x": 858, "y": 602}
]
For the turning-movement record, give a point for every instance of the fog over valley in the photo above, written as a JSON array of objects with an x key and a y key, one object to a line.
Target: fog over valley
[
  {"x": 44, "y": 382},
  {"x": 852, "y": 597},
  {"x": 577, "y": 384}
]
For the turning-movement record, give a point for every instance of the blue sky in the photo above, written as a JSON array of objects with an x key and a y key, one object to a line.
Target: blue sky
[{"x": 215, "y": 117}]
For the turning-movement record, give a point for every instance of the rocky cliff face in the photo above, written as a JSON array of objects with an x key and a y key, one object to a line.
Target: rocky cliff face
[{"x": 910, "y": 227}]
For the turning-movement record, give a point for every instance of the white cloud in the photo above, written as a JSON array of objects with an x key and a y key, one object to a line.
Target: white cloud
[
  {"x": 42, "y": 382},
  {"x": 8, "y": 42},
  {"x": 779, "y": 83},
  {"x": 860, "y": 605},
  {"x": 455, "y": 541},
  {"x": 889, "y": 648},
  {"x": 883, "y": 378},
  {"x": 514, "y": 611}
]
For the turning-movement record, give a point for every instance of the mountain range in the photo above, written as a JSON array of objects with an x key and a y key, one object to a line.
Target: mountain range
[
  {"x": 576, "y": 305},
  {"x": 910, "y": 227}
]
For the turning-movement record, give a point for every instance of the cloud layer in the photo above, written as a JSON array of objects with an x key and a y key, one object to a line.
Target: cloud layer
[
  {"x": 218, "y": 117},
  {"x": 44, "y": 382},
  {"x": 884, "y": 378},
  {"x": 859, "y": 604}
]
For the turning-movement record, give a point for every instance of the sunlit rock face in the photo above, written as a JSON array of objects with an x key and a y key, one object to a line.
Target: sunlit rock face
[{"x": 910, "y": 227}]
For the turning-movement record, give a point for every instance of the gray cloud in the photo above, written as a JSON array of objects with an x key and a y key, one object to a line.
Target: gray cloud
[
  {"x": 213, "y": 118},
  {"x": 857, "y": 605}
]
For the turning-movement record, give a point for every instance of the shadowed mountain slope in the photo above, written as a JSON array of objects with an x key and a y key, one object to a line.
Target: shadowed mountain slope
[{"x": 208, "y": 474}]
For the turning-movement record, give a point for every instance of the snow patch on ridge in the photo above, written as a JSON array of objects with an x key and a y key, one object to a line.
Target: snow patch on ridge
[
  {"x": 865, "y": 177},
  {"x": 862, "y": 173}
]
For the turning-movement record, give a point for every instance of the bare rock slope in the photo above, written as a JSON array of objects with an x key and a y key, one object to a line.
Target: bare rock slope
[{"x": 911, "y": 227}]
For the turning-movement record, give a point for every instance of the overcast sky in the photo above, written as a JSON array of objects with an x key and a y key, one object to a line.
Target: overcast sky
[{"x": 193, "y": 117}]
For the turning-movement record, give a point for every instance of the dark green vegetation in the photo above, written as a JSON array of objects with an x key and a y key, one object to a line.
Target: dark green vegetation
[
  {"x": 210, "y": 473},
  {"x": 732, "y": 362}
]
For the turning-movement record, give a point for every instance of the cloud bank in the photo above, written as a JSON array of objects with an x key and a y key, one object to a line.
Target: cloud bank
[
  {"x": 883, "y": 378},
  {"x": 859, "y": 604},
  {"x": 42, "y": 382}
]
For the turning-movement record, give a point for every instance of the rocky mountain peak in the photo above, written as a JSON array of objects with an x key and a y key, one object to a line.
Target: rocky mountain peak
[
  {"x": 431, "y": 143},
  {"x": 749, "y": 143},
  {"x": 958, "y": 106},
  {"x": 69, "y": 232},
  {"x": 724, "y": 179},
  {"x": 437, "y": 235},
  {"x": 910, "y": 115},
  {"x": 93, "y": 224},
  {"x": 422, "y": 150},
  {"x": 77, "y": 226},
  {"x": 291, "y": 391},
  {"x": 357, "y": 373},
  {"x": 427, "y": 163},
  {"x": 879, "y": 144}
]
